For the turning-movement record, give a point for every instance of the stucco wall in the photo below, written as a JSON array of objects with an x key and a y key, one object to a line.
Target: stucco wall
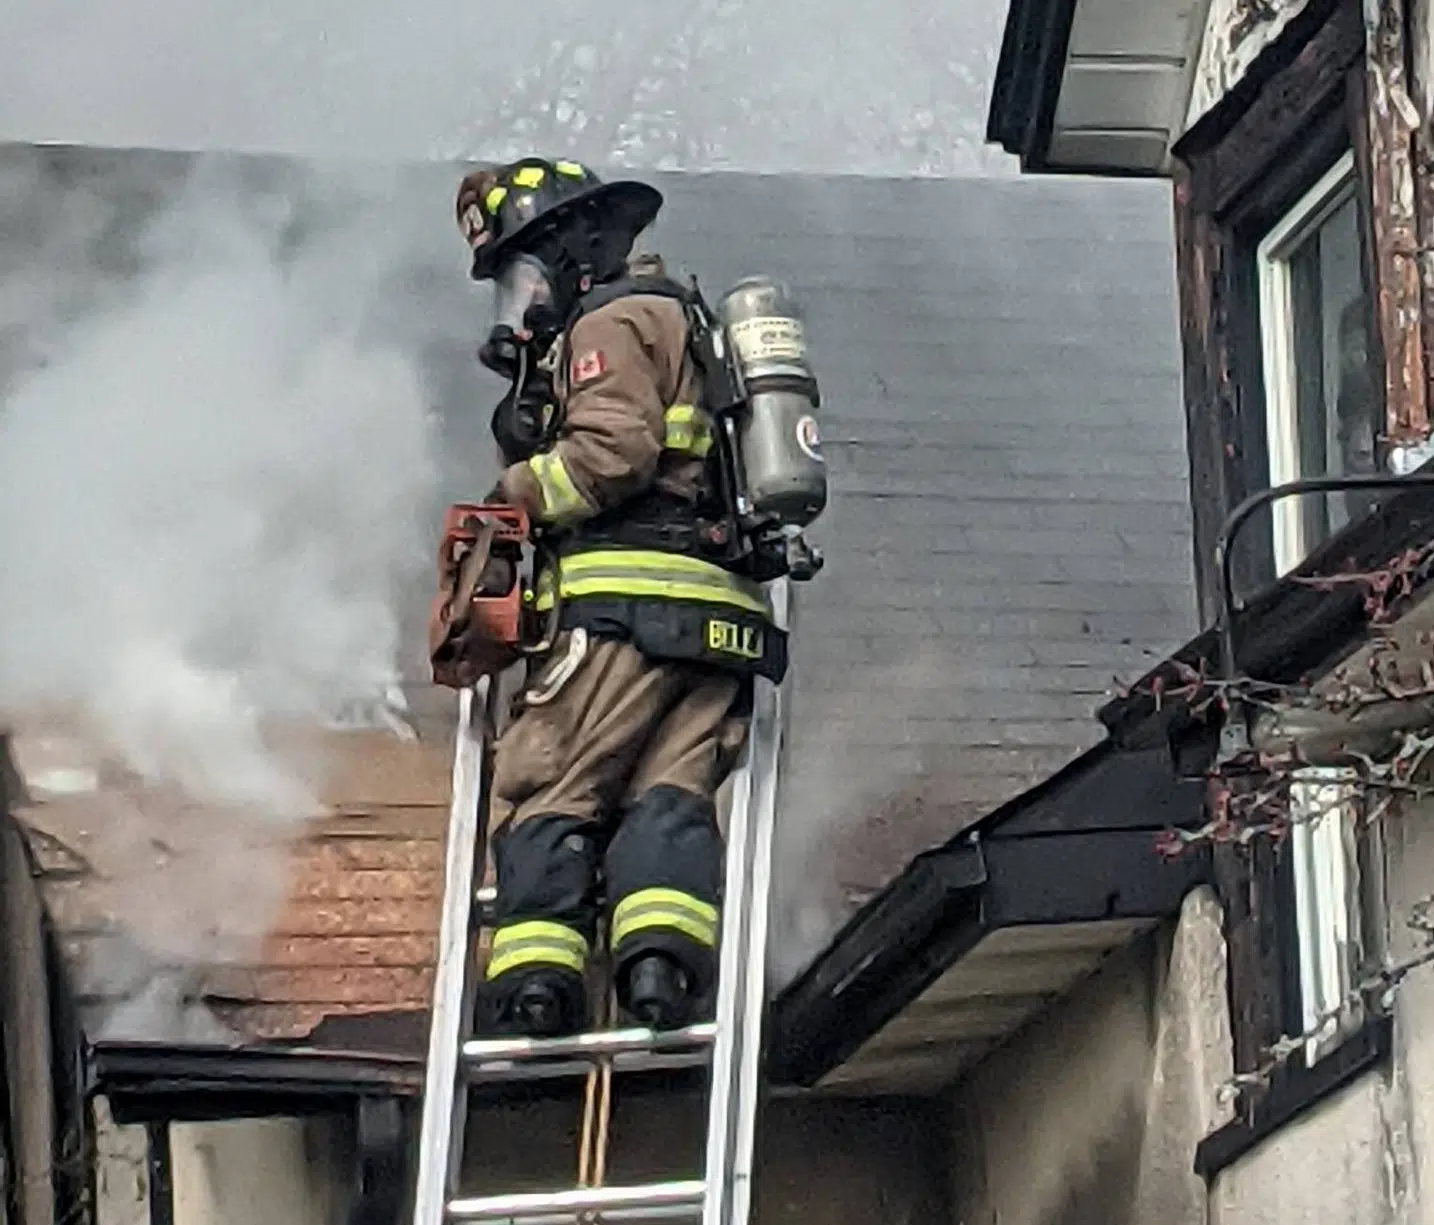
[
  {"x": 258, "y": 1172},
  {"x": 121, "y": 1171},
  {"x": 1092, "y": 1114},
  {"x": 274, "y": 1171}
]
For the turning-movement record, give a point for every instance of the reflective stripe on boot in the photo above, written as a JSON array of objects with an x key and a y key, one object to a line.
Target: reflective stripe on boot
[{"x": 536, "y": 943}]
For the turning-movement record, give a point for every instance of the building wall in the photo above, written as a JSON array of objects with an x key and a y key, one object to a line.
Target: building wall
[
  {"x": 121, "y": 1170},
  {"x": 259, "y": 1172},
  {"x": 838, "y": 1162},
  {"x": 235, "y": 1172},
  {"x": 1092, "y": 1113},
  {"x": 1236, "y": 31}
]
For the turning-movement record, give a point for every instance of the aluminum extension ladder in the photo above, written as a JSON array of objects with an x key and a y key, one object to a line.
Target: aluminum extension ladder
[{"x": 730, "y": 1045}]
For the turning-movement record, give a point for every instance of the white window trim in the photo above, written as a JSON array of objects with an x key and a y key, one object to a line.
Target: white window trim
[
  {"x": 1324, "y": 812},
  {"x": 1272, "y": 260}
]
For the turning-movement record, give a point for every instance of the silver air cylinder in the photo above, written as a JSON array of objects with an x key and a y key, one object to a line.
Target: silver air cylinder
[{"x": 786, "y": 476}]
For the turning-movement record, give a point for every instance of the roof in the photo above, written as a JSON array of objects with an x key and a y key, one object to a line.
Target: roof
[
  {"x": 1107, "y": 88},
  {"x": 1095, "y": 86},
  {"x": 1009, "y": 523},
  {"x": 1008, "y": 531},
  {"x": 128, "y": 870},
  {"x": 1029, "y": 72}
]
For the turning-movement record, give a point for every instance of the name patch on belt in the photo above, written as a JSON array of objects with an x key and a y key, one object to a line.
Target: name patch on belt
[{"x": 729, "y": 638}]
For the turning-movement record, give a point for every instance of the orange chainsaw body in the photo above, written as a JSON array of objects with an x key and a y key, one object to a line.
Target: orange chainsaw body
[{"x": 479, "y": 621}]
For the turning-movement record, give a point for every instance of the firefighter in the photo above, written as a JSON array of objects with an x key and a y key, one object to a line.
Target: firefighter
[{"x": 604, "y": 779}]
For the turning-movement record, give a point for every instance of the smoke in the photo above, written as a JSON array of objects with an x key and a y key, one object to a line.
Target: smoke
[
  {"x": 217, "y": 475},
  {"x": 828, "y": 851}
]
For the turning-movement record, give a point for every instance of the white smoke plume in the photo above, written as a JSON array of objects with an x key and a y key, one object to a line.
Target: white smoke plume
[{"x": 216, "y": 495}]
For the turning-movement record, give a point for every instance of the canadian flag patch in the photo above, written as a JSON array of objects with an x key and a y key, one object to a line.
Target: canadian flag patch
[{"x": 587, "y": 366}]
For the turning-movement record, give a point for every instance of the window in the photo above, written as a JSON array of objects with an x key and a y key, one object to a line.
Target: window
[
  {"x": 1321, "y": 404},
  {"x": 1329, "y": 907}
]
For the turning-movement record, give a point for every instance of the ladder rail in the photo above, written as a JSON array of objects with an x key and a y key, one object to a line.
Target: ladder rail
[
  {"x": 451, "y": 1019},
  {"x": 728, "y": 1009},
  {"x": 732, "y": 1101},
  {"x": 762, "y": 837},
  {"x": 732, "y": 1042}
]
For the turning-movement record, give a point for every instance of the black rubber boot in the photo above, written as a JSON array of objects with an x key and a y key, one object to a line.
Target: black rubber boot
[
  {"x": 542, "y": 1004},
  {"x": 657, "y": 992}
]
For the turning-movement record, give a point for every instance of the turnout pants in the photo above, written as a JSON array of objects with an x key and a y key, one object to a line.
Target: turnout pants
[{"x": 604, "y": 784}]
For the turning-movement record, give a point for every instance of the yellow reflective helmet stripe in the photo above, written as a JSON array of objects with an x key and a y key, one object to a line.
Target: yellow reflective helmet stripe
[
  {"x": 536, "y": 942},
  {"x": 665, "y": 908},
  {"x": 528, "y": 176},
  {"x": 495, "y": 197},
  {"x": 562, "y": 503},
  {"x": 687, "y": 428},
  {"x": 573, "y": 170},
  {"x": 643, "y": 573}
]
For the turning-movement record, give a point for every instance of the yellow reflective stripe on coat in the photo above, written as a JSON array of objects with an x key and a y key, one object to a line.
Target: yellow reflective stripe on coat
[
  {"x": 669, "y": 908},
  {"x": 495, "y": 197},
  {"x": 537, "y": 942},
  {"x": 529, "y": 176},
  {"x": 686, "y": 428},
  {"x": 562, "y": 502},
  {"x": 643, "y": 573}
]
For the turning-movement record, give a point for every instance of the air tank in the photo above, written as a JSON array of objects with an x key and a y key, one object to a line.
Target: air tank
[{"x": 780, "y": 444}]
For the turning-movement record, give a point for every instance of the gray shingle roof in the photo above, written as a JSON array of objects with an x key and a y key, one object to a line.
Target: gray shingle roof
[{"x": 1009, "y": 523}]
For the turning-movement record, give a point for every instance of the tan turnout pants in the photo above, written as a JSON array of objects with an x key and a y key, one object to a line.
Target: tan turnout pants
[{"x": 601, "y": 724}]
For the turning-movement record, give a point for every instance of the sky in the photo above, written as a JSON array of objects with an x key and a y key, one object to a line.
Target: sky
[{"x": 805, "y": 86}]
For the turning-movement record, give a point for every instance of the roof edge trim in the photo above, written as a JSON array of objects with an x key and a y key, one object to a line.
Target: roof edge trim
[{"x": 1029, "y": 72}]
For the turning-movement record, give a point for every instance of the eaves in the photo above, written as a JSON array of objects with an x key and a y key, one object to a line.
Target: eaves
[
  {"x": 1077, "y": 852},
  {"x": 1028, "y": 78}
]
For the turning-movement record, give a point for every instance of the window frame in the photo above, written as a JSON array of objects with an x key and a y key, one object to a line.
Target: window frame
[
  {"x": 1330, "y": 891},
  {"x": 1301, "y": 107},
  {"x": 1273, "y": 254}
]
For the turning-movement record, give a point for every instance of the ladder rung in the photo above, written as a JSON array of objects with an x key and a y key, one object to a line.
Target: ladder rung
[
  {"x": 481, "y": 1052},
  {"x": 680, "y": 1198},
  {"x": 556, "y": 1069}
]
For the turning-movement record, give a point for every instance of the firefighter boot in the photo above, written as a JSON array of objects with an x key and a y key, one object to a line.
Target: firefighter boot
[
  {"x": 542, "y": 1003},
  {"x": 657, "y": 992}
]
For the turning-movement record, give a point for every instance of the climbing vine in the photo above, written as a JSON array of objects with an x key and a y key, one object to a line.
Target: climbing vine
[{"x": 1384, "y": 695}]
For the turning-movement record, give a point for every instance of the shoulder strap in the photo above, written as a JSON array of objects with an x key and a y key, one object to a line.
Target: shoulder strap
[{"x": 626, "y": 286}]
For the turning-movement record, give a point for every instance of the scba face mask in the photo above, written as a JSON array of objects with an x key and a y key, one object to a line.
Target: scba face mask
[
  {"x": 525, "y": 419},
  {"x": 522, "y": 314}
]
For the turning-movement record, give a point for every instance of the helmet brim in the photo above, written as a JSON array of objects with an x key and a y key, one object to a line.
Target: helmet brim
[{"x": 637, "y": 203}]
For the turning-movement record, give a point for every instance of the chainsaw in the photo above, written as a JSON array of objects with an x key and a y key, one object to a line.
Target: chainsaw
[{"x": 483, "y": 618}]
